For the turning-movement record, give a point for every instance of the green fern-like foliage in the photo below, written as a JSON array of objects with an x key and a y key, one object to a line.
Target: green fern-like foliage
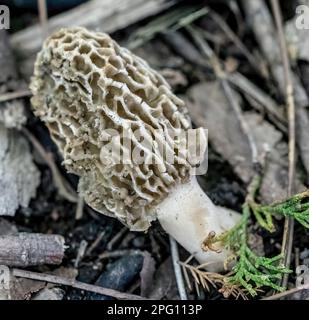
[
  {"x": 252, "y": 271},
  {"x": 296, "y": 207}
]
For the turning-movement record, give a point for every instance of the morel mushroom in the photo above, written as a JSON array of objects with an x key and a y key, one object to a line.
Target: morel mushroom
[{"x": 85, "y": 88}]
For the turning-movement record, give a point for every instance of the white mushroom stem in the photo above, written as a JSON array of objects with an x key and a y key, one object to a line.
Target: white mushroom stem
[{"x": 188, "y": 215}]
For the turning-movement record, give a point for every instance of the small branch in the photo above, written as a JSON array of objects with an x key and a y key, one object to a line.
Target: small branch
[
  {"x": 31, "y": 249},
  {"x": 43, "y": 17},
  {"x": 74, "y": 284},
  {"x": 80, "y": 253},
  {"x": 289, "y": 94},
  {"x": 79, "y": 208},
  {"x": 177, "y": 269},
  {"x": 15, "y": 95},
  {"x": 287, "y": 292},
  {"x": 95, "y": 243},
  {"x": 287, "y": 240},
  {"x": 116, "y": 238}
]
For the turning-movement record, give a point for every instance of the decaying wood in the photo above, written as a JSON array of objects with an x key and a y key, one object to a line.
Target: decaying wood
[
  {"x": 107, "y": 16},
  {"x": 209, "y": 108},
  {"x": 19, "y": 177},
  {"x": 262, "y": 24},
  {"x": 31, "y": 249}
]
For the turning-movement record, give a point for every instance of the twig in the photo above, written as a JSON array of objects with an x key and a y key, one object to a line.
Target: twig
[
  {"x": 297, "y": 257},
  {"x": 289, "y": 94},
  {"x": 79, "y": 208},
  {"x": 70, "y": 194},
  {"x": 15, "y": 95},
  {"x": 31, "y": 249},
  {"x": 116, "y": 238},
  {"x": 95, "y": 243},
  {"x": 287, "y": 292},
  {"x": 75, "y": 284},
  {"x": 287, "y": 240},
  {"x": 177, "y": 269},
  {"x": 43, "y": 17},
  {"x": 80, "y": 253}
]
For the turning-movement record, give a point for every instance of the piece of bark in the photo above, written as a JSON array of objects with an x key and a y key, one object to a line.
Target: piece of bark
[
  {"x": 259, "y": 17},
  {"x": 23, "y": 289},
  {"x": 210, "y": 109},
  {"x": 31, "y": 249},
  {"x": 19, "y": 177},
  {"x": 107, "y": 16}
]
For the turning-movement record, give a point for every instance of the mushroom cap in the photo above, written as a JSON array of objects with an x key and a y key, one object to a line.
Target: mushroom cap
[{"x": 85, "y": 88}]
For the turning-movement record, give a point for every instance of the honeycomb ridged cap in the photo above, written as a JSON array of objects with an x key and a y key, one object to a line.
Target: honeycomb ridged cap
[{"x": 84, "y": 85}]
